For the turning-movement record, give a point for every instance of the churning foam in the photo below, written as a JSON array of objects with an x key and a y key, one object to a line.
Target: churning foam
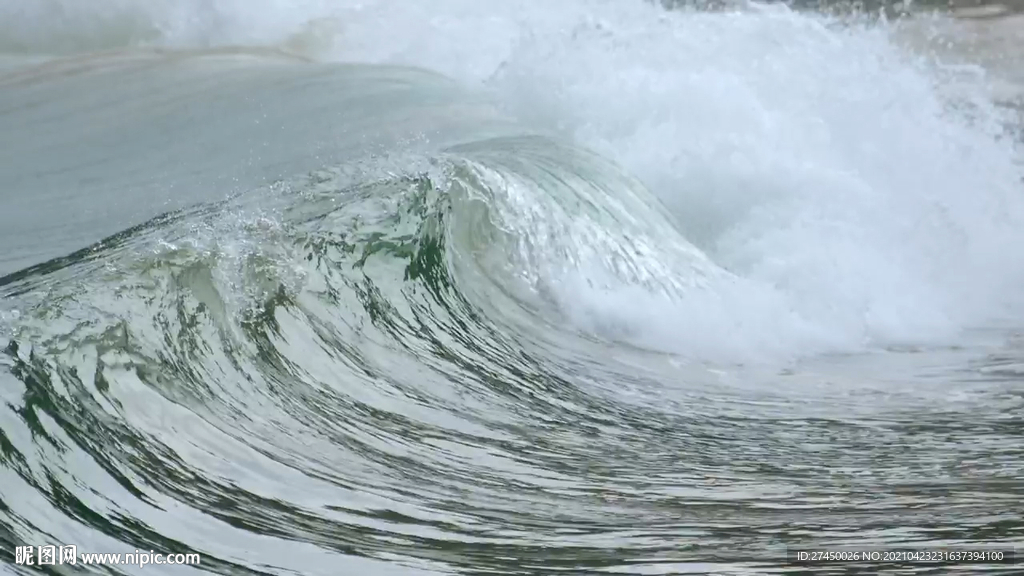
[{"x": 860, "y": 192}]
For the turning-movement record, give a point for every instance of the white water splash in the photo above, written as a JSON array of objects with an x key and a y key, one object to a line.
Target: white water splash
[{"x": 860, "y": 192}]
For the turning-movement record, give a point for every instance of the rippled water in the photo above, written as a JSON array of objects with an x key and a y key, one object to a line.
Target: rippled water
[{"x": 523, "y": 288}]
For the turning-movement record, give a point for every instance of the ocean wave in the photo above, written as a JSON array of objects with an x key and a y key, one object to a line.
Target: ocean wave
[{"x": 593, "y": 286}]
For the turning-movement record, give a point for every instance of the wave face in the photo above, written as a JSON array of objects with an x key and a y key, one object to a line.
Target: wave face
[{"x": 387, "y": 288}]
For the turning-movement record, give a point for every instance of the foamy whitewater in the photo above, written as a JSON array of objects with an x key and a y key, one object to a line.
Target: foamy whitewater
[{"x": 519, "y": 287}]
